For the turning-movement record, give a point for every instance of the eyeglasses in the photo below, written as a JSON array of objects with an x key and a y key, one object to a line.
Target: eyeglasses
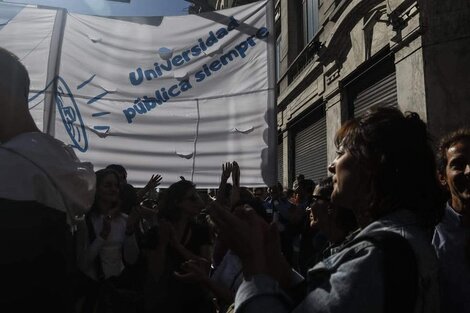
[{"x": 315, "y": 198}]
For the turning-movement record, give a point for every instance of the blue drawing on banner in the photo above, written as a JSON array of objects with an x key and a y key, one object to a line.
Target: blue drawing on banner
[
  {"x": 98, "y": 97},
  {"x": 70, "y": 114},
  {"x": 32, "y": 102},
  {"x": 71, "y": 117},
  {"x": 98, "y": 114},
  {"x": 86, "y": 82}
]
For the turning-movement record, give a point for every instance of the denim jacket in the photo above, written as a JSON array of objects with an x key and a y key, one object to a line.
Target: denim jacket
[{"x": 351, "y": 280}]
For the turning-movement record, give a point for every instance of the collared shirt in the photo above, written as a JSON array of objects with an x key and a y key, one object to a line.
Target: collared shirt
[
  {"x": 449, "y": 242},
  {"x": 113, "y": 251}
]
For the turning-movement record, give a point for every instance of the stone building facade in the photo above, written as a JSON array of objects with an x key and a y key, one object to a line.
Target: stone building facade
[{"x": 336, "y": 58}]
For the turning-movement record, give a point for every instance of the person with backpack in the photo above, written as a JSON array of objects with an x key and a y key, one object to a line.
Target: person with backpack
[{"x": 385, "y": 173}]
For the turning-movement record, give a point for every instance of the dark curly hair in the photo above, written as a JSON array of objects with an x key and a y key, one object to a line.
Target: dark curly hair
[
  {"x": 448, "y": 141},
  {"x": 396, "y": 148},
  {"x": 169, "y": 208}
]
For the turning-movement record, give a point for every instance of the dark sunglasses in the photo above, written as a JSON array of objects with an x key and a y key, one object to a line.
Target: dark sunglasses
[{"x": 316, "y": 198}]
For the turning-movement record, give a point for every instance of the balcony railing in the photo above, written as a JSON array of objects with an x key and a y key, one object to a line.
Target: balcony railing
[{"x": 306, "y": 56}]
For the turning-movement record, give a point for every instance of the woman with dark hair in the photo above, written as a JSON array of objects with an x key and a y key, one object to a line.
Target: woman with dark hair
[
  {"x": 181, "y": 206},
  {"x": 385, "y": 173},
  {"x": 178, "y": 237},
  {"x": 181, "y": 202},
  {"x": 105, "y": 241},
  {"x": 395, "y": 159}
]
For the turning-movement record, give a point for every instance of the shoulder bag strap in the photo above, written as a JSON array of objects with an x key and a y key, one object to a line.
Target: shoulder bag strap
[{"x": 400, "y": 270}]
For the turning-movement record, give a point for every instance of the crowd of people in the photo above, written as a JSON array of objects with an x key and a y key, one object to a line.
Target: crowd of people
[{"x": 387, "y": 231}]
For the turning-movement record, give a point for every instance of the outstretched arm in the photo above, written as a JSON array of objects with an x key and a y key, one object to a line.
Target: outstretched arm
[
  {"x": 235, "y": 198},
  {"x": 226, "y": 171},
  {"x": 153, "y": 183}
]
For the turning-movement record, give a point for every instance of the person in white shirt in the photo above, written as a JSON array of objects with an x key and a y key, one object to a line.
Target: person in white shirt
[{"x": 106, "y": 238}]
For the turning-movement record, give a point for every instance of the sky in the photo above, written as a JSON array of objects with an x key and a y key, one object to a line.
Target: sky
[{"x": 111, "y": 8}]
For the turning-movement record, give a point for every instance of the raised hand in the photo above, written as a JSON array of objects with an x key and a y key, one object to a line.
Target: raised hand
[
  {"x": 235, "y": 196},
  {"x": 235, "y": 174},
  {"x": 244, "y": 232},
  {"x": 154, "y": 182},
  {"x": 226, "y": 170}
]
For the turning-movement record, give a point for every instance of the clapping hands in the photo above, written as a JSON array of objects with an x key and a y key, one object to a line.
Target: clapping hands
[
  {"x": 235, "y": 197},
  {"x": 153, "y": 183},
  {"x": 226, "y": 171},
  {"x": 255, "y": 241}
]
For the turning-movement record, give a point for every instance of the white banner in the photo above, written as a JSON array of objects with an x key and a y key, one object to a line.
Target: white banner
[{"x": 177, "y": 96}]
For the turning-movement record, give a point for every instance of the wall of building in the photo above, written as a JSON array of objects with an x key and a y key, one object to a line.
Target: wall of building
[
  {"x": 446, "y": 50},
  {"x": 406, "y": 44},
  {"x": 429, "y": 41},
  {"x": 352, "y": 32}
]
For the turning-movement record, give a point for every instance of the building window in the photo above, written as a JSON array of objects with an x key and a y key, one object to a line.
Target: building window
[
  {"x": 373, "y": 84},
  {"x": 280, "y": 159},
  {"x": 278, "y": 58},
  {"x": 310, "y": 19},
  {"x": 309, "y": 151}
]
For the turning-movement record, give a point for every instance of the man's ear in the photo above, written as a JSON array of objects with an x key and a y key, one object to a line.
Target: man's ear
[{"x": 443, "y": 180}]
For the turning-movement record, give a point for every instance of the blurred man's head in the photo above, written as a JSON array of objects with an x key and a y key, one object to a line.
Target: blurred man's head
[
  {"x": 14, "y": 79},
  {"x": 14, "y": 90},
  {"x": 260, "y": 193},
  {"x": 454, "y": 168},
  {"x": 275, "y": 191},
  {"x": 305, "y": 188},
  {"x": 332, "y": 221}
]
